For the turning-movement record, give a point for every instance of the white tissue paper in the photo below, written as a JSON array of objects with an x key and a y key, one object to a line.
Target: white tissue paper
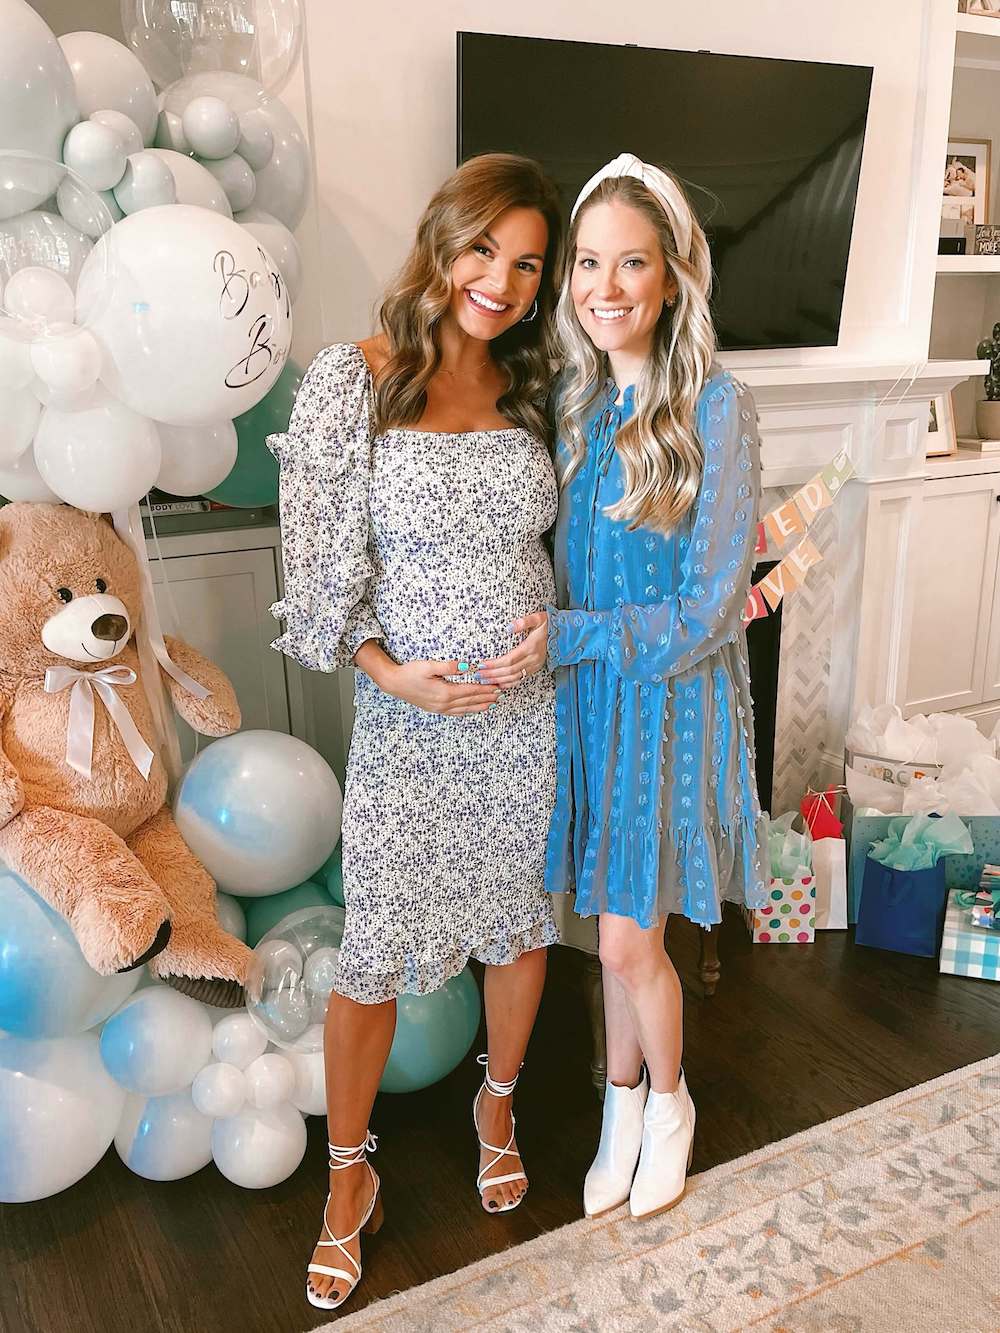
[{"x": 940, "y": 738}]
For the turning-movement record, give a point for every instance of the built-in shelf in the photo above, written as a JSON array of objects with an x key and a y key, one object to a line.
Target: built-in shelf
[
  {"x": 977, "y": 42},
  {"x": 969, "y": 264},
  {"x": 962, "y": 463}
]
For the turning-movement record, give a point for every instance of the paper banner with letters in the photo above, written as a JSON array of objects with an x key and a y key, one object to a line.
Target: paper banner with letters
[{"x": 791, "y": 519}]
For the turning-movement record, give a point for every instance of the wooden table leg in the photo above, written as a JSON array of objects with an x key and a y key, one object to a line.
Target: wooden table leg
[
  {"x": 709, "y": 966},
  {"x": 594, "y": 987}
]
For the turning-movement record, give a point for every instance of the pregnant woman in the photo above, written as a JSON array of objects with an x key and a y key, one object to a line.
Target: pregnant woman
[{"x": 416, "y": 485}]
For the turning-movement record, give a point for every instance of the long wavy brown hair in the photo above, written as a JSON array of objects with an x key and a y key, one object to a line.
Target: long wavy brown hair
[{"x": 465, "y": 206}]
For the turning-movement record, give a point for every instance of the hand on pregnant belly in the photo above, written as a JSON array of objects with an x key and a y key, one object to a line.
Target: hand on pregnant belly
[
  {"x": 423, "y": 685},
  {"x": 524, "y": 660}
]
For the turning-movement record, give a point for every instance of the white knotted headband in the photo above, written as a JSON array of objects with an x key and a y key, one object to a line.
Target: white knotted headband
[{"x": 662, "y": 187}]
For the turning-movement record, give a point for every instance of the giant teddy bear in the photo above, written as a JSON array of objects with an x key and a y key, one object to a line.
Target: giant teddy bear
[{"x": 80, "y": 822}]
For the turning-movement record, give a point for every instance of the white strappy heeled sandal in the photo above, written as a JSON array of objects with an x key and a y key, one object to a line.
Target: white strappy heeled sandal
[
  {"x": 482, "y": 1184},
  {"x": 340, "y": 1160}
]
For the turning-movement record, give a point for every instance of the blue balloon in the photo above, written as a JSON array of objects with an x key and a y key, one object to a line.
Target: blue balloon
[
  {"x": 264, "y": 913},
  {"x": 433, "y": 1034},
  {"x": 332, "y": 875},
  {"x": 47, "y": 988}
]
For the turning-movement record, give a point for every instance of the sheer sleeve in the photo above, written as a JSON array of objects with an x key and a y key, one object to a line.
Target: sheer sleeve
[
  {"x": 324, "y": 464},
  {"x": 648, "y": 642}
]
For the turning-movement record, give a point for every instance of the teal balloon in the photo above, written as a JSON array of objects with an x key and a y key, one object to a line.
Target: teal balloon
[
  {"x": 334, "y": 876},
  {"x": 254, "y": 479},
  {"x": 263, "y": 913},
  {"x": 433, "y": 1034}
]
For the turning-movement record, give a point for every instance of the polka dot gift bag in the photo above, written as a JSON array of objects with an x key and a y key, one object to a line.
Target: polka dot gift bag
[{"x": 790, "y": 914}]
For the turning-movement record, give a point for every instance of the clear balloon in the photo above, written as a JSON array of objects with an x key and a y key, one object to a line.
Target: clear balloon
[
  {"x": 231, "y": 916},
  {"x": 258, "y": 1149},
  {"x": 194, "y": 185},
  {"x": 96, "y": 153},
  {"x": 219, "y": 1090},
  {"x": 263, "y": 914},
  {"x": 148, "y": 182},
  {"x": 124, "y": 126},
  {"x": 38, "y": 103},
  {"x": 59, "y": 1109},
  {"x": 101, "y": 457},
  {"x": 22, "y": 481},
  {"x": 196, "y": 329},
  {"x": 47, "y": 989},
  {"x": 262, "y": 38},
  {"x": 270, "y": 1080},
  {"x": 38, "y": 297},
  {"x": 236, "y": 178},
  {"x": 19, "y": 414},
  {"x": 211, "y": 129},
  {"x": 237, "y": 1040},
  {"x": 157, "y": 1041},
  {"x": 291, "y": 977},
  {"x": 164, "y": 1138},
  {"x": 279, "y": 243},
  {"x": 67, "y": 360},
  {"x": 261, "y": 810},
  {"x": 108, "y": 76},
  {"x": 433, "y": 1034}
]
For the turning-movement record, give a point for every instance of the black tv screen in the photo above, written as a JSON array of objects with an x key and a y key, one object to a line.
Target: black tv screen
[{"x": 769, "y": 150}]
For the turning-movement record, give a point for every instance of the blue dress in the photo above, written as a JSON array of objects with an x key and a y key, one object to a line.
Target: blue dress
[{"x": 656, "y": 807}]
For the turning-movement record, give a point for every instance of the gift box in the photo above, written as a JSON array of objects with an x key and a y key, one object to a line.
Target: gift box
[
  {"x": 967, "y": 950},
  {"x": 789, "y": 917}
]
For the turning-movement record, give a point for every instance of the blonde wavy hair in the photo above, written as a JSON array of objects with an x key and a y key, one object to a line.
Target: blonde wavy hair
[
  {"x": 465, "y": 206},
  {"x": 661, "y": 454}
]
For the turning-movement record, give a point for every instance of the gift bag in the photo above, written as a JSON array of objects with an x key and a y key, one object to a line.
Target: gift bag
[
  {"x": 902, "y": 910},
  {"x": 829, "y": 858},
  {"x": 789, "y": 915}
]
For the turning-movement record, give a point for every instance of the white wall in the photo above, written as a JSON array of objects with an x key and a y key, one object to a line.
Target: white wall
[{"x": 381, "y": 91}]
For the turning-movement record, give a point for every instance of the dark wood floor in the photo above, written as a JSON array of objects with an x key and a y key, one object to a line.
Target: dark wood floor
[{"x": 794, "y": 1036}]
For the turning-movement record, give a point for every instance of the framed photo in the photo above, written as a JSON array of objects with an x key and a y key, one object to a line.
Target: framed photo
[
  {"x": 939, "y": 437},
  {"x": 966, "y": 190},
  {"x": 989, "y": 8}
]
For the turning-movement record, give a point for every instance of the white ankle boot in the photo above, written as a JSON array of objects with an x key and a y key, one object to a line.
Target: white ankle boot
[
  {"x": 610, "y": 1177},
  {"x": 667, "y": 1149}
]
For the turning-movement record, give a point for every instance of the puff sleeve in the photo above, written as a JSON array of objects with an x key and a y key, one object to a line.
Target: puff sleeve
[
  {"x": 324, "y": 463},
  {"x": 651, "y": 641}
]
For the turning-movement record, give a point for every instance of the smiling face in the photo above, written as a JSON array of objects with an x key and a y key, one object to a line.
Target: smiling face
[
  {"x": 620, "y": 279},
  {"x": 495, "y": 281}
]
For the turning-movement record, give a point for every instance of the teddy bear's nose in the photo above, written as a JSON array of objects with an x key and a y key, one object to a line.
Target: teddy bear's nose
[{"x": 109, "y": 627}]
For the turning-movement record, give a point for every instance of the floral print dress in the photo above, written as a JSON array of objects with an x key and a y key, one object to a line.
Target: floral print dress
[{"x": 431, "y": 543}]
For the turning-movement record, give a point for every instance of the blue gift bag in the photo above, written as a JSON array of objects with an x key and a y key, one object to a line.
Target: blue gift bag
[{"x": 902, "y": 910}]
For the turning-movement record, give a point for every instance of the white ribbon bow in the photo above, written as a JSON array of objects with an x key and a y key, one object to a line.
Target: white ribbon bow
[
  {"x": 664, "y": 189},
  {"x": 80, "y": 731}
]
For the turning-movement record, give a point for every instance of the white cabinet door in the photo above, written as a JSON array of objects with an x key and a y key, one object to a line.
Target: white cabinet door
[
  {"x": 955, "y": 568},
  {"x": 221, "y": 601}
]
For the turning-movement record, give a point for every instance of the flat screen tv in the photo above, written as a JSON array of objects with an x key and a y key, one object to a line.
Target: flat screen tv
[{"x": 770, "y": 152}]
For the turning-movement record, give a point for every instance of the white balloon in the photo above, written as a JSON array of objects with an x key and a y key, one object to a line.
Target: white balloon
[
  {"x": 19, "y": 413},
  {"x": 231, "y": 916},
  {"x": 38, "y": 102},
  {"x": 219, "y": 1090},
  {"x": 261, "y": 810},
  {"x": 124, "y": 126},
  {"x": 96, "y": 153},
  {"x": 164, "y": 1138},
  {"x": 194, "y": 184},
  {"x": 210, "y": 127},
  {"x": 39, "y": 297},
  {"x": 15, "y": 358},
  {"x": 196, "y": 458},
  {"x": 270, "y": 1081},
  {"x": 59, "y": 1109},
  {"x": 101, "y": 457},
  {"x": 108, "y": 76},
  {"x": 67, "y": 360},
  {"x": 147, "y": 183},
  {"x": 279, "y": 243},
  {"x": 170, "y": 133},
  {"x": 196, "y": 328},
  {"x": 236, "y": 178},
  {"x": 257, "y": 1149},
  {"x": 236, "y": 1040},
  {"x": 256, "y": 143},
  {"x": 22, "y": 481},
  {"x": 309, "y": 1093},
  {"x": 157, "y": 1041},
  {"x": 90, "y": 213}
]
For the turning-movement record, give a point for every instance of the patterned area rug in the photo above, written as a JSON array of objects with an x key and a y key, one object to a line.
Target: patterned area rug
[{"x": 885, "y": 1219}]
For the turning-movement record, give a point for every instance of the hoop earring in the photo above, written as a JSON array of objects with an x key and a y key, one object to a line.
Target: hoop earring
[{"x": 526, "y": 319}]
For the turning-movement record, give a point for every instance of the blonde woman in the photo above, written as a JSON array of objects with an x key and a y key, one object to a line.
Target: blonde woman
[
  {"x": 416, "y": 484},
  {"x": 657, "y": 807}
]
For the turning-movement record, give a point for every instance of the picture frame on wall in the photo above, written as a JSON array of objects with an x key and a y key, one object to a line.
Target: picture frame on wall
[
  {"x": 966, "y": 188},
  {"x": 939, "y": 436},
  {"x": 984, "y": 8}
]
